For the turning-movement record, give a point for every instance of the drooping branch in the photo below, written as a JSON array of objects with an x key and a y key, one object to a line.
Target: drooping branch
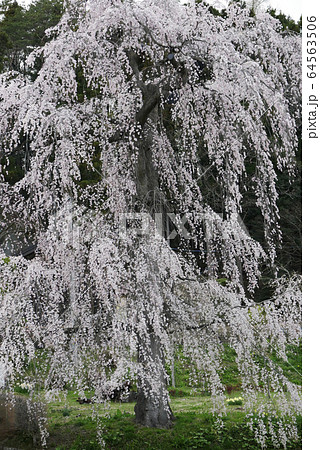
[{"x": 152, "y": 98}]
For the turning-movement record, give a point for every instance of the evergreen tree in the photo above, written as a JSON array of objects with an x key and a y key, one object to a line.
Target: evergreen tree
[{"x": 24, "y": 29}]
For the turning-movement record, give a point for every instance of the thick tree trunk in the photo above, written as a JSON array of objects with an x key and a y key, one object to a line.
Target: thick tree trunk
[{"x": 152, "y": 408}]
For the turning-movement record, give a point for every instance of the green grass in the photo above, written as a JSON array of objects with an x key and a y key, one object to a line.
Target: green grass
[
  {"x": 71, "y": 425},
  {"x": 293, "y": 368},
  {"x": 194, "y": 427}
]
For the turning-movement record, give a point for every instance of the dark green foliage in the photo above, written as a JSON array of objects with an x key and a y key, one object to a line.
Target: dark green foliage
[
  {"x": 5, "y": 44},
  {"x": 286, "y": 21},
  {"x": 290, "y": 208},
  {"x": 12, "y": 28},
  {"x": 91, "y": 174},
  {"x": 21, "y": 390},
  {"x": 21, "y": 30},
  {"x": 41, "y": 15},
  {"x": 13, "y": 168},
  {"x": 66, "y": 412},
  {"x": 84, "y": 91}
]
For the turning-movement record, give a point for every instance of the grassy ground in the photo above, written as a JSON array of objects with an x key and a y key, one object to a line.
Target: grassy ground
[
  {"x": 72, "y": 428},
  {"x": 71, "y": 425}
]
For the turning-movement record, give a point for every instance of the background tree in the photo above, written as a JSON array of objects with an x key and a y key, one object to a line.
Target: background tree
[
  {"x": 25, "y": 29},
  {"x": 152, "y": 97},
  {"x": 287, "y": 22}
]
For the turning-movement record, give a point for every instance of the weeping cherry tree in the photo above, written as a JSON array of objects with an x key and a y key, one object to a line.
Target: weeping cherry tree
[{"x": 135, "y": 105}]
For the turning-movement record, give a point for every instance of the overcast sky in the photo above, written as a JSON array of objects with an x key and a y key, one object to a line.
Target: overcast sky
[{"x": 292, "y": 8}]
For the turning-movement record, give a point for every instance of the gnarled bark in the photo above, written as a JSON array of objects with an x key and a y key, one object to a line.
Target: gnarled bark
[{"x": 152, "y": 408}]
